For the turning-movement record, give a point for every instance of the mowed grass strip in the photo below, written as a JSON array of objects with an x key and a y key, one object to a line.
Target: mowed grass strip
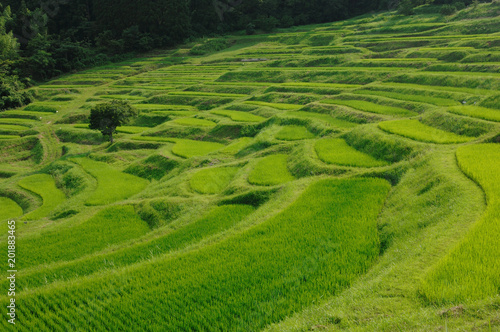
[
  {"x": 112, "y": 225},
  {"x": 370, "y": 107},
  {"x": 212, "y": 180},
  {"x": 339, "y": 123},
  {"x": 218, "y": 219},
  {"x": 279, "y": 106},
  {"x": 410, "y": 97},
  {"x": 194, "y": 122},
  {"x": 44, "y": 186},
  {"x": 471, "y": 270},
  {"x": 337, "y": 151},
  {"x": 416, "y": 130},
  {"x": 294, "y": 133},
  {"x": 9, "y": 209},
  {"x": 314, "y": 249},
  {"x": 270, "y": 171},
  {"x": 239, "y": 116},
  {"x": 112, "y": 185},
  {"x": 477, "y": 112}
]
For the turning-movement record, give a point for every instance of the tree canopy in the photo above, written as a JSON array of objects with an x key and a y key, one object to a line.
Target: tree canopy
[{"x": 106, "y": 117}]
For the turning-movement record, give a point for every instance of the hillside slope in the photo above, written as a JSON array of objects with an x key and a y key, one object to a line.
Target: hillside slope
[{"x": 330, "y": 177}]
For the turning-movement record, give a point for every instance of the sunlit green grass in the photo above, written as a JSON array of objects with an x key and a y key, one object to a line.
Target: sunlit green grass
[
  {"x": 271, "y": 170},
  {"x": 477, "y": 112},
  {"x": 190, "y": 148},
  {"x": 45, "y": 187},
  {"x": 416, "y": 130},
  {"x": 112, "y": 185},
  {"x": 370, "y": 107},
  {"x": 321, "y": 117},
  {"x": 112, "y": 225},
  {"x": 9, "y": 136},
  {"x": 237, "y": 145},
  {"x": 294, "y": 133},
  {"x": 409, "y": 97},
  {"x": 471, "y": 270},
  {"x": 9, "y": 209},
  {"x": 194, "y": 122},
  {"x": 208, "y": 94},
  {"x": 279, "y": 106},
  {"x": 337, "y": 151},
  {"x": 212, "y": 180},
  {"x": 124, "y": 129},
  {"x": 315, "y": 248},
  {"x": 239, "y": 116},
  {"x": 12, "y": 127},
  {"x": 217, "y": 219}
]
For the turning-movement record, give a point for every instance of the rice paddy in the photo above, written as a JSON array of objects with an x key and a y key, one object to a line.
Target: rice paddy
[
  {"x": 336, "y": 151},
  {"x": 323, "y": 177},
  {"x": 44, "y": 186},
  {"x": 239, "y": 116},
  {"x": 112, "y": 185},
  {"x": 416, "y": 130},
  {"x": 212, "y": 180},
  {"x": 271, "y": 170}
]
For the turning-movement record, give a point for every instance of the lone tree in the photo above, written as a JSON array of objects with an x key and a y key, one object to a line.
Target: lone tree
[{"x": 107, "y": 116}]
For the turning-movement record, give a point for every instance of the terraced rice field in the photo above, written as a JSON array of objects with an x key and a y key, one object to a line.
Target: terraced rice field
[{"x": 347, "y": 181}]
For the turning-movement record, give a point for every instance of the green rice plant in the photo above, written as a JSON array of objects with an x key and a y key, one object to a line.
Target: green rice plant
[
  {"x": 410, "y": 97},
  {"x": 122, "y": 97},
  {"x": 216, "y": 220},
  {"x": 10, "y": 127},
  {"x": 416, "y": 130},
  {"x": 239, "y": 116},
  {"x": 2, "y": 137},
  {"x": 190, "y": 148},
  {"x": 212, "y": 180},
  {"x": 153, "y": 167},
  {"x": 109, "y": 226},
  {"x": 470, "y": 270},
  {"x": 131, "y": 129},
  {"x": 15, "y": 121},
  {"x": 337, "y": 151},
  {"x": 367, "y": 106},
  {"x": 477, "y": 112},
  {"x": 44, "y": 186},
  {"x": 25, "y": 114},
  {"x": 237, "y": 145},
  {"x": 270, "y": 171},
  {"x": 207, "y": 94},
  {"x": 112, "y": 185},
  {"x": 339, "y": 123},
  {"x": 9, "y": 209},
  {"x": 279, "y": 106},
  {"x": 287, "y": 262},
  {"x": 294, "y": 133},
  {"x": 41, "y": 108},
  {"x": 152, "y": 107},
  {"x": 194, "y": 122}
]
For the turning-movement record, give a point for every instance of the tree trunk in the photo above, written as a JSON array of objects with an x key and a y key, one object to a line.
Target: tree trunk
[{"x": 111, "y": 137}]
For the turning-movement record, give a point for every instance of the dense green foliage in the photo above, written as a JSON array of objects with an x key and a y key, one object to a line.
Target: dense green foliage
[{"x": 107, "y": 116}]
